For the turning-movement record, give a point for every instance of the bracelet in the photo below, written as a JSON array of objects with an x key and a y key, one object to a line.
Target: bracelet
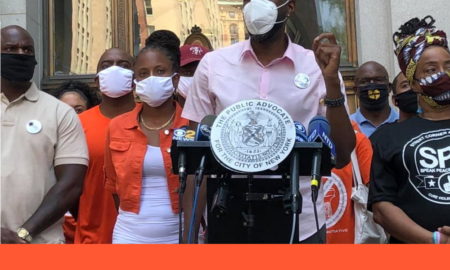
[
  {"x": 436, "y": 237},
  {"x": 334, "y": 102}
]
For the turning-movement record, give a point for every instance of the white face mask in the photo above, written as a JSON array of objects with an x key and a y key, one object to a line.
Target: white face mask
[
  {"x": 184, "y": 85},
  {"x": 155, "y": 90},
  {"x": 260, "y": 16},
  {"x": 115, "y": 81}
]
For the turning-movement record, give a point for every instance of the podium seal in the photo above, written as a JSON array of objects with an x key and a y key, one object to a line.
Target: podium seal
[{"x": 252, "y": 136}]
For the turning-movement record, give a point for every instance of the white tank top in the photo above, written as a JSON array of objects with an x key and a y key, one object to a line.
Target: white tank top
[{"x": 156, "y": 223}]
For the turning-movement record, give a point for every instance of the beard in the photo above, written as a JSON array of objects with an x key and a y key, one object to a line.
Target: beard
[{"x": 269, "y": 36}]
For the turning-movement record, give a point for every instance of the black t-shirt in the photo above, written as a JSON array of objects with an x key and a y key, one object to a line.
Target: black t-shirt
[{"x": 411, "y": 169}]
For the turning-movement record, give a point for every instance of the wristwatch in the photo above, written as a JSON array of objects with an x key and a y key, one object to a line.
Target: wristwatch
[
  {"x": 334, "y": 102},
  {"x": 24, "y": 234}
]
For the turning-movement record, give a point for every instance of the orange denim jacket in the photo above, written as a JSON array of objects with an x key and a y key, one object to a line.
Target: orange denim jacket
[{"x": 125, "y": 151}]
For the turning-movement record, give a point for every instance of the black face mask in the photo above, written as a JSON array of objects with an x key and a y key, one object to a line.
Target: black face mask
[
  {"x": 407, "y": 102},
  {"x": 18, "y": 67},
  {"x": 374, "y": 97}
]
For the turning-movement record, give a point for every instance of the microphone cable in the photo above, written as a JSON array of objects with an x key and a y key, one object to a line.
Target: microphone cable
[
  {"x": 198, "y": 182},
  {"x": 314, "y": 194},
  {"x": 294, "y": 224}
]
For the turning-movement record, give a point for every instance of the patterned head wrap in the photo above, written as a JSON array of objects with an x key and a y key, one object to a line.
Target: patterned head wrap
[{"x": 412, "y": 40}]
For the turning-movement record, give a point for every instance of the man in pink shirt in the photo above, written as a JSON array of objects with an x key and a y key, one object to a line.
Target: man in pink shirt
[{"x": 270, "y": 67}]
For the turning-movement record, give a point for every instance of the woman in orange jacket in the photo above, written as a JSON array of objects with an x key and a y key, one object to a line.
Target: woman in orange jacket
[{"x": 138, "y": 167}]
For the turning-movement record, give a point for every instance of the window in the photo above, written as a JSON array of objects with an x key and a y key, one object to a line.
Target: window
[
  {"x": 233, "y": 29},
  {"x": 214, "y": 17},
  {"x": 234, "y": 33},
  {"x": 150, "y": 29},
  {"x": 314, "y": 17},
  {"x": 71, "y": 36},
  {"x": 148, "y": 7},
  {"x": 73, "y": 43}
]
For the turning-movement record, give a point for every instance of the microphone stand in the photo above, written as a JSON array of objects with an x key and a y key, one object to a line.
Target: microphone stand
[
  {"x": 315, "y": 182},
  {"x": 296, "y": 197},
  {"x": 182, "y": 177},
  {"x": 198, "y": 182},
  {"x": 249, "y": 218}
]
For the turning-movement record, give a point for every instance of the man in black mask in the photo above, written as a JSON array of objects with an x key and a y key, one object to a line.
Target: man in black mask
[
  {"x": 404, "y": 97},
  {"x": 44, "y": 154},
  {"x": 372, "y": 88}
]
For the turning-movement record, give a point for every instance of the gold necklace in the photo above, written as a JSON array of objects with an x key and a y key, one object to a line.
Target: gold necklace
[{"x": 156, "y": 128}]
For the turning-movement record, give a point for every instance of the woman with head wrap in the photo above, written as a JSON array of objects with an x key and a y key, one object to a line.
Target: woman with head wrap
[
  {"x": 420, "y": 49},
  {"x": 410, "y": 175}
]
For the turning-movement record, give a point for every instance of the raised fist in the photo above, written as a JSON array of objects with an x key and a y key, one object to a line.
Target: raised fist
[{"x": 328, "y": 55}]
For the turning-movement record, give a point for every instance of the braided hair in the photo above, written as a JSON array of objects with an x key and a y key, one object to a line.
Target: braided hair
[
  {"x": 167, "y": 42},
  {"x": 411, "y": 27},
  {"x": 411, "y": 41}
]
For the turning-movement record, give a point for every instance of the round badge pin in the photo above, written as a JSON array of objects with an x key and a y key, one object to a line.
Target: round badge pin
[
  {"x": 34, "y": 126},
  {"x": 302, "y": 80}
]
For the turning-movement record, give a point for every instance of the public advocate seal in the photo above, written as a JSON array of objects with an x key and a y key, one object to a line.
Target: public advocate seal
[{"x": 252, "y": 136}]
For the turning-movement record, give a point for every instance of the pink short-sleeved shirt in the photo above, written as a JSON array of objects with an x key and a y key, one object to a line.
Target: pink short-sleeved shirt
[{"x": 234, "y": 73}]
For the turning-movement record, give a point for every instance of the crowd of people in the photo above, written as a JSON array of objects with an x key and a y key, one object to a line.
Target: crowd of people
[{"x": 105, "y": 175}]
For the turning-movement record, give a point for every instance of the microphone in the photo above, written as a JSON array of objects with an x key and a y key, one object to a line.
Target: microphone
[
  {"x": 319, "y": 130},
  {"x": 296, "y": 197},
  {"x": 300, "y": 132},
  {"x": 185, "y": 135},
  {"x": 181, "y": 134},
  {"x": 203, "y": 134},
  {"x": 204, "y": 128}
]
